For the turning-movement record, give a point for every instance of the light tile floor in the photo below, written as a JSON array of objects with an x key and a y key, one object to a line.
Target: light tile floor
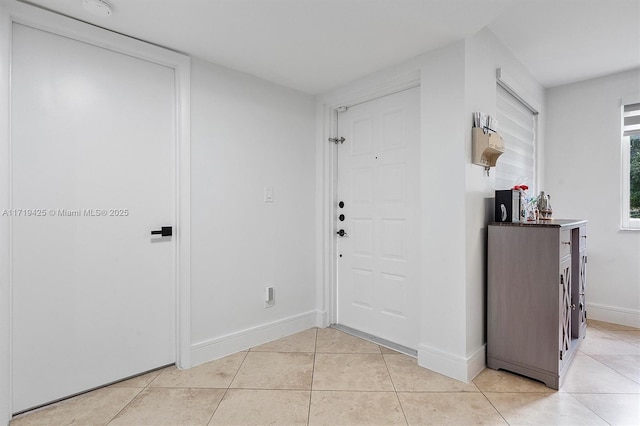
[{"x": 326, "y": 377}]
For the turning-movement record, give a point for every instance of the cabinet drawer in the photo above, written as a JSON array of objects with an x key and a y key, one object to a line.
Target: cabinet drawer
[
  {"x": 583, "y": 237},
  {"x": 565, "y": 243}
]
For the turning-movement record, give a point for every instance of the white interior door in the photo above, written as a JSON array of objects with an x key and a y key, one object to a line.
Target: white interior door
[
  {"x": 93, "y": 143},
  {"x": 378, "y": 263}
]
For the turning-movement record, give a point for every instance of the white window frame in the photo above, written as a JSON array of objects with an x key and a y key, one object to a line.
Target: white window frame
[{"x": 626, "y": 222}]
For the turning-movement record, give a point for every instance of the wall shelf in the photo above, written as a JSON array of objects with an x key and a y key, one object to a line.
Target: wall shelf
[{"x": 487, "y": 147}]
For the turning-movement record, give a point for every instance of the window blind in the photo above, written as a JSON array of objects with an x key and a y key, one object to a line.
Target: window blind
[
  {"x": 517, "y": 127},
  {"x": 631, "y": 119}
]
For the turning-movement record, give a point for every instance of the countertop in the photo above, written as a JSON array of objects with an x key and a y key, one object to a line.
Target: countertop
[{"x": 551, "y": 223}]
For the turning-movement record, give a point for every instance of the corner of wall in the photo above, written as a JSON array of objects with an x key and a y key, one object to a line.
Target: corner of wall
[
  {"x": 459, "y": 368},
  {"x": 614, "y": 314},
  {"x": 242, "y": 340},
  {"x": 5, "y": 306},
  {"x": 322, "y": 319},
  {"x": 323, "y": 218}
]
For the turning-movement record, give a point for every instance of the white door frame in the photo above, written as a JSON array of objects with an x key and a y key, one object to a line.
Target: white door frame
[
  {"x": 327, "y": 110},
  {"x": 181, "y": 64}
]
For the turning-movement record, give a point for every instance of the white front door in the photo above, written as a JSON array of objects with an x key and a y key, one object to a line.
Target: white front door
[
  {"x": 93, "y": 153},
  {"x": 378, "y": 260}
]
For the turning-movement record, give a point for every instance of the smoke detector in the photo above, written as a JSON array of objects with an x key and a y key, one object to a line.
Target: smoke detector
[{"x": 97, "y": 7}]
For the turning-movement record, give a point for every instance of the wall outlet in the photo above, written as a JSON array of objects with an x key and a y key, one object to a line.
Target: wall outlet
[{"x": 269, "y": 296}]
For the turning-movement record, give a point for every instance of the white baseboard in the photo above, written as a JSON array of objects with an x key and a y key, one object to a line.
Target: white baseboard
[
  {"x": 476, "y": 362},
  {"x": 226, "y": 345},
  {"x": 613, "y": 314},
  {"x": 456, "y": 367}
]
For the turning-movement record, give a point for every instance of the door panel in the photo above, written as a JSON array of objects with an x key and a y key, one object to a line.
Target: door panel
[
  {"x": 378, "y": 181},
  {"x": 93, "y": 142},
  {"x": 564, "y": 334}
]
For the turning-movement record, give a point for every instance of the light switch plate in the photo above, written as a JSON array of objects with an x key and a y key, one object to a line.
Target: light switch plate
[{"x": 268, "y": 194}]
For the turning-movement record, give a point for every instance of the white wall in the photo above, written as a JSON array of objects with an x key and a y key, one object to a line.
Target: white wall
[
  {"x": 484, "y": 53},
  {"x": 5, "y": 306},
  {"x": 442, "y": 307},
  {"x": 246, "y": 134},
  {"x": 583, "y": 177}
]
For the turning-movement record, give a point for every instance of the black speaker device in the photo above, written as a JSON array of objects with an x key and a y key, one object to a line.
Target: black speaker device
[{"x": 508, "y": 205}]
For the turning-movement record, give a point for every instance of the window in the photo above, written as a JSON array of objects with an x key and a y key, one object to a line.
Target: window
[
  {"x": 634, "y": 177},
  {"x": 631, "y": 166},
  {"x": 517, "y": 126}
]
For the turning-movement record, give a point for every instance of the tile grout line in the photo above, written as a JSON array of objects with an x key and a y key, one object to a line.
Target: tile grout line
[
  {"x": 228, "y": 387},
  {"x": 609, "y": 367},
  {"x": 125, "y": 406},
  {"x": 610, "y": 334},
  {"x": 132, "y": 399},
  {"x": 494, "y": 407},
  {"x": 584, "y": 405},
  {"x": 572, "y": 394},
  {"x": 395, "y": 390},
  {"x": 313, "y": 370},
  {"x": 149, "y": 385},
  {"x": 616, "y": 338}
]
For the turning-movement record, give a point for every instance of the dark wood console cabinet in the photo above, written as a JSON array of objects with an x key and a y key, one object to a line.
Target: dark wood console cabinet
[{"x": 536, "y": 308}]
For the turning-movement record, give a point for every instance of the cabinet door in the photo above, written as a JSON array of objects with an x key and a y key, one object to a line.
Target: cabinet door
[
  {"x": 582, "y": 302},
  {"x": 579, "y": 280},
  {"x": 565, "y": 306}
]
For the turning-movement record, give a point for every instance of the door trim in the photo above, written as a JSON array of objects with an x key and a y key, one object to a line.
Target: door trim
[
  {"x": 327, "y": 110},
  {"x": 181, "y": 64}
]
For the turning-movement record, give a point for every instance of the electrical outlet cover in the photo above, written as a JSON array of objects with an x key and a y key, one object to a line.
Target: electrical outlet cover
[{"x": 269, "y": 297}]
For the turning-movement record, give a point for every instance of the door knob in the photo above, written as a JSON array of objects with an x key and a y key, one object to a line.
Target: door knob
[
  {"x": 165, "y": 231},
  {"x": 341, "y": 217},
  {"x": 342, "y": 233},
  {"x": 341, "y": 204}
]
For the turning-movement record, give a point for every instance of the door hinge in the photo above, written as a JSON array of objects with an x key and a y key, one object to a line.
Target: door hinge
[
  {"x": 586, "y": 259},
  {"x": 560, "y": 355},
  {"x": 337, "y": 140}
]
